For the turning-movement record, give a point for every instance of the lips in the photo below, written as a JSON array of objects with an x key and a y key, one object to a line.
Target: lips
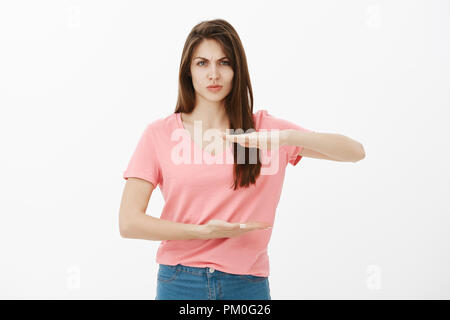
[{"x": 215, "y": 86}]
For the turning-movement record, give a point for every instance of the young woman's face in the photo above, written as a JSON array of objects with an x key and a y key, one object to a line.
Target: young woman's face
[{"x": 210, "y": 66}]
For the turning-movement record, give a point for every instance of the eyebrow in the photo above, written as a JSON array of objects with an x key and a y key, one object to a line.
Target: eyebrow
[{"x": 208, "y": 60}]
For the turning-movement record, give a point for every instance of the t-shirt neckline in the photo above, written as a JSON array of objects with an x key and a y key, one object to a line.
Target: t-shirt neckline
[{"x": 208, "y": 154}]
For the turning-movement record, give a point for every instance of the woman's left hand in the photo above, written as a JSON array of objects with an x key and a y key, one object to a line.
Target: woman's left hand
[{"x": 265, "y": 140}]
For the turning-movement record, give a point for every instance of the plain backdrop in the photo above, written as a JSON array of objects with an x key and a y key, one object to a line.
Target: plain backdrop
[{"x": 80, "y": 80}]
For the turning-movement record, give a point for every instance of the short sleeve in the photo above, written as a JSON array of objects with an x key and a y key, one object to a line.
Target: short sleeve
[
  {"x": 144, "y": 162},
  {"x": 269, "y": 121}
]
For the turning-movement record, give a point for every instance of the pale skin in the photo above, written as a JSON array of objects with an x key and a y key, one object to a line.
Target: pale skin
[
  {"x": 209, "y": 66},
  {"x": 209, "y": 109},
  {"x": 328, "y": 146}
]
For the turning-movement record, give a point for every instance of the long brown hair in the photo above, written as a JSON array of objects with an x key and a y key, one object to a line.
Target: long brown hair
[{"x": 238, "y": 103}]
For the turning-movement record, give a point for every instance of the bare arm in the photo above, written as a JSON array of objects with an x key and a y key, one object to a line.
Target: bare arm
[
  {"x": 135, "y": 224},
  {"x": 332, "y": 145}
]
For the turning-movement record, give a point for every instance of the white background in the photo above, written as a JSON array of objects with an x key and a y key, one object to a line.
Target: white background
[{"x": 80, "y": 80}]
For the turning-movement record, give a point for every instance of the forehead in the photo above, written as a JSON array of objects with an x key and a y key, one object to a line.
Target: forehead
[{"x": 208, "y": 49}]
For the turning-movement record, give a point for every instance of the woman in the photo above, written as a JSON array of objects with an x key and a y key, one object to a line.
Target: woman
[{"x": 220, "y": 201}]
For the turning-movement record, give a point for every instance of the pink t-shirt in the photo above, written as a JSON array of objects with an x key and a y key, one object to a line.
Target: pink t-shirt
[{"x": 196, "y": 192}]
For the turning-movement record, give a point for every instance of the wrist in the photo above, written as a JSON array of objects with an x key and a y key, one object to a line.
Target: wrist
[{"x": 196, "y": 231}]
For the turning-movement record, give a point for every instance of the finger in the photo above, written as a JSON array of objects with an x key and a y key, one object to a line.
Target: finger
[
  {"x": 259, "y": 225},
  {"x": 235, "y": 137},
  {"x": 244, "y": 227},
  {"x": 234, "y": 226},
  {"x": 249, "y": 227}
]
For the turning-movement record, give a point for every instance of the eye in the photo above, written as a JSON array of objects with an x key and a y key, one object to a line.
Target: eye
[{"x": 198, "y": 63}]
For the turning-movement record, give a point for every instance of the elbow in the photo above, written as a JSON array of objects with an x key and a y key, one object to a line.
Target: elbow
[
  {"x": 361, "y": 153},
  {"x": 124, "y": 228},
  {"x": 124, "y": 233}
]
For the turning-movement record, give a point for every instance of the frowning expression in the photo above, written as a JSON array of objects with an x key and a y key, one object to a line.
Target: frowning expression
[{"x": 210, "y": 66}]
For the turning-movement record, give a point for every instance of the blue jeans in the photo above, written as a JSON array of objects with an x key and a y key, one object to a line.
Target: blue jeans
[{"x": 193, "y": 283}]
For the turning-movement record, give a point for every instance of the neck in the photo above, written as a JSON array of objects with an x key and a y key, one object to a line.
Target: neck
[{"x": 212, "y": 114}]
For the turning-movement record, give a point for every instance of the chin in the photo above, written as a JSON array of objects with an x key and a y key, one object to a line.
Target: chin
[{"x": 215, "y": 98}]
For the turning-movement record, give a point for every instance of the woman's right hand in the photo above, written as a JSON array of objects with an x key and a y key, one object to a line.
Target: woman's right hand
[{"x": 222, "y": 229}]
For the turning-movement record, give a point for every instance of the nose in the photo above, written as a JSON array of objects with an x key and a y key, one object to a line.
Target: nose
[{"x": 213, "y": 74}]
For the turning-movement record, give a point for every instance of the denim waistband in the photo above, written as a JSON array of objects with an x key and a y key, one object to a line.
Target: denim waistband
[{"x": 196, "y": 270}]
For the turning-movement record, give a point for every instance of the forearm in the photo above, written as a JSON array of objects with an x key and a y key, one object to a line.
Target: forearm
[
  {"x": 143, "y": 226},
  {"x": 333, "y": 145}
]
